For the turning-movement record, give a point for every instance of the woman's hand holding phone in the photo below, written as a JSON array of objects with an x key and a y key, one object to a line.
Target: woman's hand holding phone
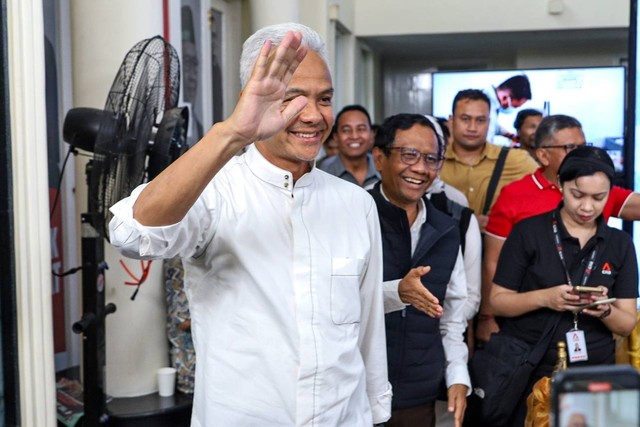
[
  {"x": 599, "y": 308},
  {"x": 590, "y": 294}
]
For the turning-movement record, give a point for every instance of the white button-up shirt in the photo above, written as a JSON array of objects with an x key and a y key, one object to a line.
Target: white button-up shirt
[
  {"x": 453, "y": 322},
  {"x": 284, "y": 288}
]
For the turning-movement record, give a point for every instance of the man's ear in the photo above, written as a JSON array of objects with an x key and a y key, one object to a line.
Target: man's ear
[
  {"x": 378, "y": 157},
  {"x": 543, "y": 156}
]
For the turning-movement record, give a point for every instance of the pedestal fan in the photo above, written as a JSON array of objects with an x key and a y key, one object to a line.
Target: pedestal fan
[{"x": 139, "y": 132}]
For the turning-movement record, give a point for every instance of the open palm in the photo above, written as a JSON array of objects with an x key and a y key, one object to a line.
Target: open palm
[{"x": 260, "y": 112}]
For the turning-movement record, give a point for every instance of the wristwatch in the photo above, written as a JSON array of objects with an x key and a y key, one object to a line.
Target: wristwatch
[{"x": 606, "y": 313}]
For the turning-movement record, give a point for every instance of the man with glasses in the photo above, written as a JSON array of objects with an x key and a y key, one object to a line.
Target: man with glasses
[
  {"x": 470, "y": 163},
  {"x": 353, "y": 161},
  {"x": 537, "y": 193},
  {"x": 423, "y": 272}
]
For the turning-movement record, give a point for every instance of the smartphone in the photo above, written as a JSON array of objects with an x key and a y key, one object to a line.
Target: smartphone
[
  {"x": 598, "y": 302},
  {"x": 596, "y": 396},
  {"x": 594, "y": 289}
]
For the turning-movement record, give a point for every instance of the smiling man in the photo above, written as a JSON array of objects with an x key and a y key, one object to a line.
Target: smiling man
[
  {"x": 353, "y": 162},
  {"x": 424, "y": 277},
  {"x": 282, "y": 261}
]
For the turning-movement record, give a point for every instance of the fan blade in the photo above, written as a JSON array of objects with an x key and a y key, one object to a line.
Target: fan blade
[
  {"x": 170, "y": 141},
  {"x": 146, "y": 85}
]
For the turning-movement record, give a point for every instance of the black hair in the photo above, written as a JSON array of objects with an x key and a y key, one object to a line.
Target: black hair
[
  {"x": 518, "y": 85},
  {"x": 470, "y": 94},
  {"x": 353, "y": 107},
  {"x": 586, "y": 161},
  {"x": 551, "y": 125},
  {"x": 524, "y": 115},
  {"x": 444, "y": 126},
  {"x": 334, "y": 130},
  {"x": 386, "y": 134}
]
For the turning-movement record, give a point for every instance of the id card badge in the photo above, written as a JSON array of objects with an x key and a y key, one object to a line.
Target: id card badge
[{"x": 576, "y": 346}]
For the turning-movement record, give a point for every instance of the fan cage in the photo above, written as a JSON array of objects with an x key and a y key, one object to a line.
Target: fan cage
[{"x": 146, "y": 85}]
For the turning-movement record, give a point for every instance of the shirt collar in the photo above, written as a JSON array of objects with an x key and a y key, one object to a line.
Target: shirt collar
[
  {"x": 371, "y": 167},
  {"x": 421, "y": 218},
  {"x": 601, "y": 225},
  {"x": 541, "y": 182},
  {"x": 489, "y": 151},
  {"x": 268, "y": 172}
]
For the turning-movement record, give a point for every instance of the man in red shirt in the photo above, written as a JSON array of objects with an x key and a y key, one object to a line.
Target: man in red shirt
[{"x": 534, "y": 194}]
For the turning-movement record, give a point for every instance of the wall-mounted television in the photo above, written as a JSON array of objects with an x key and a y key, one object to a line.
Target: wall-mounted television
[{"x": 594, "y": 95}]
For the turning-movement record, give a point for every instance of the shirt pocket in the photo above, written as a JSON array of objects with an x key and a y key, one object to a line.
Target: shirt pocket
[{"x": 345, "y": 290}]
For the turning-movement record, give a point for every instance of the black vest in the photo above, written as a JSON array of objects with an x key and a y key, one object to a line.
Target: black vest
[{"x": 415, "y": 356}]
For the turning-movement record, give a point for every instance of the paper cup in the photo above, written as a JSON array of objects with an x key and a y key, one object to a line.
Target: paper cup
[{"x": 166, "y": 381}]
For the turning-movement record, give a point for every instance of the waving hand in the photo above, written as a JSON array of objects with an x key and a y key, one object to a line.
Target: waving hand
[{"x": 260, "y": 112}]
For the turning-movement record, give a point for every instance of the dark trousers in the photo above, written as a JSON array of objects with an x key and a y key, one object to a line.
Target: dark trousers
[{"x": 416, "y": 416}]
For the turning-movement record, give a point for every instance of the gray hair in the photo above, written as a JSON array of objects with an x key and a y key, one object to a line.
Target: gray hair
[
  {"x": 275, "y": 33},
  {"x": 551, "y": 125}
]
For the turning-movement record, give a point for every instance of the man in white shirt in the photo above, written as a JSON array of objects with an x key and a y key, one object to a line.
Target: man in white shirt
[
  {"x": 282, "y": 261},
  {"x": 424, "y": 276}
]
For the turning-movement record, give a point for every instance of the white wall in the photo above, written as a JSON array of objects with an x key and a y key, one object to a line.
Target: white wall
[
  {"x": 102, "y": 32},
  {"x": 384, "y": 17},
  {"x": 232, "y": 45},
  {"x": 556, "y": 56}
]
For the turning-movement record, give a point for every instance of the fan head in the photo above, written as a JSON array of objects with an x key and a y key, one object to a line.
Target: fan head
[
  {"x": 146, "y": 85},
  {"x": 170, "y": 141}
]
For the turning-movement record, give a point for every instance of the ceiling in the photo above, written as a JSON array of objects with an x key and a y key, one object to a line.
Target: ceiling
[{"x": 492, "y": 46}]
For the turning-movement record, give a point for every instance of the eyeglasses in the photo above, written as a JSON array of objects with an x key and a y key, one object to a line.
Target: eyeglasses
[
  {"x": 411, "y": 156},
  {"x": 567, "y": 148}
]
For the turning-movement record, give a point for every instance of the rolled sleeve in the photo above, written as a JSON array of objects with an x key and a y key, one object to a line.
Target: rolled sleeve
[{"x": 185, "y": 238}]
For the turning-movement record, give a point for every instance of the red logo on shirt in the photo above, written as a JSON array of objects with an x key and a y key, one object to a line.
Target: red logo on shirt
[{"x": 606, "y": 269}]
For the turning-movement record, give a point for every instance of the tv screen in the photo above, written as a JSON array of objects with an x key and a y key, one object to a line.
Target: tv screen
[{"x": 594, "y": 95}]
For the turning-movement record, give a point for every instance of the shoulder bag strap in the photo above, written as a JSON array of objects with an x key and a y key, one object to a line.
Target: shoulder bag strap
[
  {"x": 536, "y": 354},
  {"x": 495, "y": 177}
]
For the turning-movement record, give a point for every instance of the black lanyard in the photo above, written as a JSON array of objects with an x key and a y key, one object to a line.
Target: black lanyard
[{"x": 592, "y": 256}]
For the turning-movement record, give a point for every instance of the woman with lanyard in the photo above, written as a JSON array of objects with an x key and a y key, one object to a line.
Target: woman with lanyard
[{"x": 548, "y": 259}]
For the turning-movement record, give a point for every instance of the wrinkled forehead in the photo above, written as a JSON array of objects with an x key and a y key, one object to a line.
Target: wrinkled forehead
[{"x": 312, "y": 72}]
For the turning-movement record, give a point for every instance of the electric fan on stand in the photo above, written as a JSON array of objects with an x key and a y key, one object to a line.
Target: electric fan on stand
[{"x": 139, "y": 133}]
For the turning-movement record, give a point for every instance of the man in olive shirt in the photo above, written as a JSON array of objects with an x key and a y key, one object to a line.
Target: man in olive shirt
[{"x": 470, "y": 161}]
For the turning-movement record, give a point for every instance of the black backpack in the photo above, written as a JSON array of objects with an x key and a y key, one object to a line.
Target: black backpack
[{"x": 460, "y": 213}]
